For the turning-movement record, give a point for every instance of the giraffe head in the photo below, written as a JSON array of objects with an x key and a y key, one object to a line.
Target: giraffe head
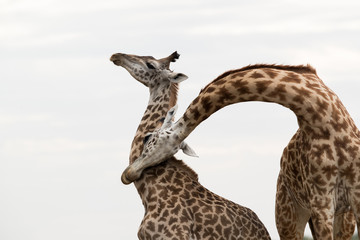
[
  {"x": 158, "y": 146},
  {"x": 148, "y": 70}
]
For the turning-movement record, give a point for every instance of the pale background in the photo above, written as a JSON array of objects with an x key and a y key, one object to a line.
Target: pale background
[{"x": 68, "y": 115}]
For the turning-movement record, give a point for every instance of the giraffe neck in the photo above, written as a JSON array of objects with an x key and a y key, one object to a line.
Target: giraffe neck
[
  {"x": 160, "y": 101},
  {"x": 295, "y": 87}
]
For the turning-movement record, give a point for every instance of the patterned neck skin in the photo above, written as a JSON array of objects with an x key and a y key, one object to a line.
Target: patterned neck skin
[
  {"x": 319, "y": 180},
  {"x": 176, "y": 205}
]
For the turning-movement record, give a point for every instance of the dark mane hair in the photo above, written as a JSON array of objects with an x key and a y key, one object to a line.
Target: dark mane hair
[
  {"x": 296, "y": 68},
  {"x": 174, "y": 88}
]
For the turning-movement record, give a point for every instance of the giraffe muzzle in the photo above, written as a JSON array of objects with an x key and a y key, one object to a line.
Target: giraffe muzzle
[
  {"x": 116, "y": 59},
  {"x": 124, "y": 179},
  {"x": 129, "y": 175}
]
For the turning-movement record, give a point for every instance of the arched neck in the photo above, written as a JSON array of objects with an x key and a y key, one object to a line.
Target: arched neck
[{"x": 297, "y": 88}]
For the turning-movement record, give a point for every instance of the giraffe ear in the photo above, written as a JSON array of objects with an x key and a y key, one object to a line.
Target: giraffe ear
[
  {"x": 177, "y": 77},
  {"x": 188, "y": 150}
]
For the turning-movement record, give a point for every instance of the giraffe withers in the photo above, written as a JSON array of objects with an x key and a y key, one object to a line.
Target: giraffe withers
[
  {"x": 176, "y": 205},
  {"x": 319, "y": 177}
]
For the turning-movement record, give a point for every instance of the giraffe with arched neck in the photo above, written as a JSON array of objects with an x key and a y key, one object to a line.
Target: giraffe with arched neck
[
  {"x": 319, "y": 177},
  {"x": 176, "y": 205}
]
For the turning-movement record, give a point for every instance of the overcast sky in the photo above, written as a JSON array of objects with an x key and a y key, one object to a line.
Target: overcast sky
[{"x": 68, "y": 115}]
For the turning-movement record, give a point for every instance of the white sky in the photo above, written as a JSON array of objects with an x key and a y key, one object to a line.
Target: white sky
[{"x": 68, "y": 115}]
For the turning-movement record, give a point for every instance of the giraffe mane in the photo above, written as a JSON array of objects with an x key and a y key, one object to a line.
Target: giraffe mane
[
  {"x": 174, "y": 88},
  {"x": 295, "y": 68}
]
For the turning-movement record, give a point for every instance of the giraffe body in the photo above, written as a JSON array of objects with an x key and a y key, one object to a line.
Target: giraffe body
[
  {"x": 319, "y": 178},
  {"x": 176, "y": 205}
]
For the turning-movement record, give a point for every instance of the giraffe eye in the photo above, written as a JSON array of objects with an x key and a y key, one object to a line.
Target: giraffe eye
[
  {"x": 150, "y": 66},
  {"x": 146, "y": 138},
  {"x": 162, "y": 120}
]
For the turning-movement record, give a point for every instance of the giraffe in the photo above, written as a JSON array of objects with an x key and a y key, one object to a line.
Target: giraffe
[
  {"x": 176, "y": 205},
  {"x": 319, "y": 179}
]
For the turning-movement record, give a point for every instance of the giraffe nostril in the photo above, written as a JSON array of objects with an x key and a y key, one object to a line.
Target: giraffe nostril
[
  {"x": 117, "y": 59},
  {"x": 114, "y": 57}
]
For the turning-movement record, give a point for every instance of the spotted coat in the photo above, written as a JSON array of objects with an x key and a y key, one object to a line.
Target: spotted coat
[
  {"x": 176, "y": 205},
  {"x": 319, "y": 180}
]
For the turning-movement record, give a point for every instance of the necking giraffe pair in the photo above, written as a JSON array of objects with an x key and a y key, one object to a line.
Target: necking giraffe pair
[
  {"x": 176, "y": 205},
  {"x": 319, "y": 179}
]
